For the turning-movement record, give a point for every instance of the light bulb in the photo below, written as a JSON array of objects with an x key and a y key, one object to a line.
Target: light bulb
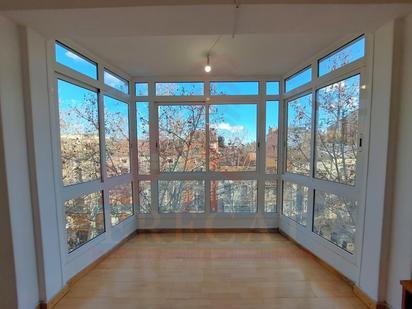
[{"x": 208, "y": 68}]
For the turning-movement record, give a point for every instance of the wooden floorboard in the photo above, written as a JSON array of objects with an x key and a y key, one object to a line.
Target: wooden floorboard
[{"x": 210, "y": 270}]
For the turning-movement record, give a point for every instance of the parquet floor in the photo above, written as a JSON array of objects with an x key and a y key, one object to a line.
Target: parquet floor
[{"x": 210, "y": 270}]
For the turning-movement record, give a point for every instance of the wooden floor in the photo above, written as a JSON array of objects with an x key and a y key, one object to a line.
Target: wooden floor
[{"x": 205, "y": 270}]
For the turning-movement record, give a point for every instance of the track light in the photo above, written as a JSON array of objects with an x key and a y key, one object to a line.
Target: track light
[{"x": 208, "y": 67}]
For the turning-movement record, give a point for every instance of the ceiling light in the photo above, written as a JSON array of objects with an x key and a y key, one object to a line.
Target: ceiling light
[{"x": 208, "y": 68}]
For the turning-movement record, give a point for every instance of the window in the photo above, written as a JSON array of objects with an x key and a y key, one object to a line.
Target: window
[
  {"x": 121, "y": 203},
  {"x": 143, "y": 137},
  {"x": 299, "y": 129},
  {"x": 347, "y": 54},
  {"x": 145, "y": 203},
  {"x": 299, "y": 79},
  {"x": 295, "y": 202},
  {"x": 337, "y": 131},
  {"x": 272, "y": 136},
  {"x": 84, "y": 219},
  {"x": 116, "y": 82},
  {"x": 180, "y": 89},
  {"x": 335, "y": 220},
  {"x": 233, "y": 196},
  {"x": 181, "y": 196},
  {"x": 182, "y": 138},
  {"x": 234, "y": 88},
  {"x": 271, "y": 188},
  {"x": 79, "y": 133},
  {"x": 75, "y": 61},
  {"x": 272, "y": 88},
  {"x": 232, "y": 137},
  {"x": 116, "y": 124},
  {"x": 142, "y": 89}
]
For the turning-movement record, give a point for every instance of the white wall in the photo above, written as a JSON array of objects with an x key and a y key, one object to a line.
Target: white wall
[
  {"x": 400, "y": 253},
  {"x": 16, "y": 165}
]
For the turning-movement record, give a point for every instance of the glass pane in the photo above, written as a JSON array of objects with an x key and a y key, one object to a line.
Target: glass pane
[
  {"x": 121, "y": 203},
  {"x": 142, "y": 89},
  {"x": 232, "y": 137},
  {"x": 272, "y": 133},
  {"x": 234, "y": 88},
  {"x": 337, "y": 131},
  {"x": 84, "y": 219},
  {"x": 116, "y": 82},
  {"x": 145, "y": 197},
  {"x": 75, "y": 61},
  {"x": 295, "y": 202},
  {"x": 271, "y": 188},
  {"x": 180, "y": 89},
  {"x": 335, "y": 219},
  {"x": 343, "y": 56},
  {"x": 79, "y": 133},
  {"x": 182, "y": 138},
  {"x": 299, "y": 79},
  {"x": 143, "y": 137},
  {"x": 233, "y": 196},
  {"x": 181, "y": 196},
  {"x": 116, "y": 128},
  {"x": 272, "y": 88},
  {"x": 299, "y": 126}
]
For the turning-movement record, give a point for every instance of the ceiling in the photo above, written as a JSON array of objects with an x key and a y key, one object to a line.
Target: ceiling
[{"x": 271, "y": 39}]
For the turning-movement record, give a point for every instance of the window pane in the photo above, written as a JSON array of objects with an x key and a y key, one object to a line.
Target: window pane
[
  {"x": 335, "y": 220},
  {"x": 116, "y": 82},
  {"x": 337, "y": 131},
  {"x": 84, "y": 219},
  {"x": 145, "y": 197},
  {"x": 299, "y": 126},
  {"x": 295, "y": 202},
  {"x": 234, "y": 88},
  {"x": 182, "y": 138},
  {"x": 272, "y": 88},
  {"x": 181, "y": 196},
  {"x": 143, "y": 137},
  {"x": 299, "y": 79},
  {"x": 272, "y": 133},
  {"x": 121, "y": 203},
  {"x": 271, "y": 188},
  {"x": 233, "y": 196},
  {"x": 180, "y": 89},
  {"x": 232, "y": 137},
  {"x": 142, "y": 89},
  {"x": 343, "y": 56},
  {"x": 79, "y": 133},
  {"x": 75, "y": 61},
  {"x": 116, "y": 124}
]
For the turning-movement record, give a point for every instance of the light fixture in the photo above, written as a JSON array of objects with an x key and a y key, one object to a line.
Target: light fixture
[{"x": 208, "y": 68}]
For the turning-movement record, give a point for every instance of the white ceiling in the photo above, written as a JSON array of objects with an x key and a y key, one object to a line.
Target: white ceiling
[{"x": 173, "y": 40}]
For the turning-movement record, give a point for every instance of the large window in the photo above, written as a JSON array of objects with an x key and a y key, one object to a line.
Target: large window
[
  {"x": 79, "y": 133},
  {"x": 299, "y": 130},
  {"x": 116, "y": 123},
  {"x": 94, "y": 146},
  {"x": 145, "y": 195},
  {"x": 180, "y": 89},
  {"x": 337, "y": 131},
  {"x": 84, "y": 219},
  {"x": 182, "y": 138},
  {"x": 234, "y": 88},
  {"x": 232, "y": 137}
]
